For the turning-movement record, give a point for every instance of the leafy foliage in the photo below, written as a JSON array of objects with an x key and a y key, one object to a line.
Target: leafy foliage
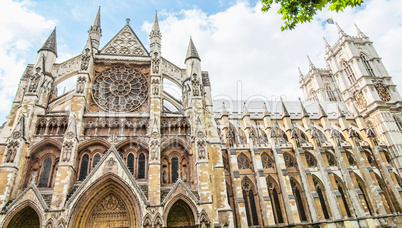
[{"x": 301, "y": 11}]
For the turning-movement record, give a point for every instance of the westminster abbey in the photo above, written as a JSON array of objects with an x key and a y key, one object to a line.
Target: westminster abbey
[{"x": 119, "y": 150}]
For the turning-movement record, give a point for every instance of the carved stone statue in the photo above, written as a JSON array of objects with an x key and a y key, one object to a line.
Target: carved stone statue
[
  {"x": 81, "y": 84},
  {"x": 85, "y": 59},
  {"x": 165, "y": 177},
  {"x": 67, "y": 149},
  {"x": 155, "y": 63},
  {"x": 155, "y": 87},
  {"x": 196, "y": 85},
  {"x": 12, "y": 150}
]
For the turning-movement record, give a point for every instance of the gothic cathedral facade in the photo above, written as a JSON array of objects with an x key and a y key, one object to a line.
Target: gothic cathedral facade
[{"x": 119, "y": 150}]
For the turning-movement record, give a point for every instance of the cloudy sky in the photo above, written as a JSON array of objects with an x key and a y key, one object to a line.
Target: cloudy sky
[{"x": 243, "y": 49}]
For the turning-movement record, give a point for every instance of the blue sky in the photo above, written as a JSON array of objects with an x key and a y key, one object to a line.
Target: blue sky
[{"x": 246, "y": 54}]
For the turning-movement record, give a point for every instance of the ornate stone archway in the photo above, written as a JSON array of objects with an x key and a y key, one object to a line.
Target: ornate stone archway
[
  {"x": 180, "y": 215},
  {"x": 108, "y": 203},
  {"x": 25, "y": 218}
]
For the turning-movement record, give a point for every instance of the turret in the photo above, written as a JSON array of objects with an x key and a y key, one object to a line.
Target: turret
[
  {"x": 47, "y": 54},
  {"x": 193, "y": 69}
]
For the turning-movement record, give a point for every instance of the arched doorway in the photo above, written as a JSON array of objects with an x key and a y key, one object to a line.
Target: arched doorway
[
  {"x": 25, "y": 218},
  {"x": 108, "y": 203},
  {"x": 180, "y": 215}
]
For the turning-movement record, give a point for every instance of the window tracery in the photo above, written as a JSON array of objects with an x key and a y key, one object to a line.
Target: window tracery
[
  {"x": 250, "y": 203},
  {"x": 273, "y": 190},
  {"x": 310, "y": 159},
  {"x": 120, "y": 89},
  {"x": 331, "y": 159},
  {"x": 267, "y": 161},
  {"x": 319, "y": 189},
  {"x": 299, "y": 200},
  {"x": 243, "y": 162},
  {"x": 350, "y": 158},
  {"x": 289, "y": 161},
  {"x": 45, "y": 173},
  {"x": 349, "y": 72},
  {"x": 366, "y": 64},
  {"x": 330, "y": 93}
]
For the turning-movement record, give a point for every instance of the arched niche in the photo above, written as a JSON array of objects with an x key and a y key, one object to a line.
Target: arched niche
[
  {"x": 180, "y": 213},
  {"x": 109, "y": 202},
  {"x": 26, "y": 215}
]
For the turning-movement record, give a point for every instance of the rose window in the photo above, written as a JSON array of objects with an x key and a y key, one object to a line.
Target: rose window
[{"x": 120, "y": 89}]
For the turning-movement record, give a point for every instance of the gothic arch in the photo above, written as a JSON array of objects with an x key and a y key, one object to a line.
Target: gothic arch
[
  {"x": 204, "y": 218},
  {"x": 366, "y": 198},
  {"x": 320, "y": 189},
  {"x": 45, "y": 142},
  {"x": 251, "y": 202},
  {"x": 90, "y": 142},
  {"x": 275, "y": 195},
  {"x": 180, "y": 198},
  {"x": 342, "y": 189},
  {"x": 62, "y": 223},
  {"x": 50, "y": 223},
  {"x": 301, "y": 202},
  {"x": 147, "y": 221},
  {"x": 158, "y": 220},
  {"x": 177, "y": 142},
  {"x": 133, "y": 141},
  {"x": 111, "y": 188},
  {"x": 22, "y": 207},
  {"x": 386, "y": 196}
]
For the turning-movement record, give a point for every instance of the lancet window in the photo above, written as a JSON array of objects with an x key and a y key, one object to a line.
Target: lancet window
[
  {"x": 349, "y": 72},
  {"x": 45, "y": 173},
  {"x": 321, "y": 195},
  {"x": 299, "y": 199},
  {"x": 250, "y": 199},
  {"x": 276, "y": 201},
  {"x": 243, "y": 162},
  {"x": 310, "y": 159},
  {"x": 289, "y": 160},
  {"x": 366, "y": 64}
]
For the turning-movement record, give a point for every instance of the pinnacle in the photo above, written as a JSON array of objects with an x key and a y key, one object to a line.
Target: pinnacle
[
  {"x": 326, "y": 43},
  {"x": 224, "y": 112},
  {"x": 321, "y": 111},
  {"x": 340, "y": 113},
  {"x": 51, "y": 43},
  {"x": 245, "y": 110},
  {"x": 155, "y": 25},
  {"x": 97, "y": 23},
  {"x": 357, "y": 113},
  {"x": 310, "y": 63},
  {"x": 340, "y": 31},
  {"x": 303, "y": 110},
  {"x": 265, "y": 111},
  {"x": 300, "y": 73},
  {"x": 359, "y": 32},
  {"x": 192, "y": 51},
  {"x": 285, "y": 112}
]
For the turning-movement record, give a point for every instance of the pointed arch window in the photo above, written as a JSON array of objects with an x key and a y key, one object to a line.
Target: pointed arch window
[
  {"x": 299, "y": 201},
  {"x": 319, "y": 188},
  {"x": 289, "y": 161},
  {"x": 350, "y": 158},
  {"x": 349, "y": 72},
  {"x": 83, "y": 167},
  {"x": 267, "y": 162},
  {"x": 330, "y": 93},
  {"x": 45, "y": 173},
  {"x": 175, "y": 168},
  {"x": 141, "y": 166},
  {"x": 250, "y": 204},
  {"x": 398, "y": 123},
  {"x": 366, "y": 64},
  {"x": 362, "y": 188},
  {"x": 310, "y": 159},
  {"x": 342, "y": 192},
  {"x": 130, "y": 163},
  {"x": 331, "y": 159},
  {"x": 275, "y": 201},
  {"x": 243, "y": 162},
  {"x": 97, "y": 158}
]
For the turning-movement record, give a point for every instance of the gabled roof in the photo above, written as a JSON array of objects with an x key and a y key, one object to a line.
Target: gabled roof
[{"x": 125, "y": 42}]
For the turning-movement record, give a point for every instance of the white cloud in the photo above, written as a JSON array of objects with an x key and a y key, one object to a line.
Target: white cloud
[
  {"x": 21, "y": 30},
  {"x": 243, "y": 44}
]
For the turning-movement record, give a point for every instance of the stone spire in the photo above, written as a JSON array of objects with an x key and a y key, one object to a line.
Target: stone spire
[
  {"x": 285, "y": 112},
  {"x": 304, "y": 112},
  {"x": 301, "y": 76},
  {"x": 265, "y": 111},
  {"x": 310, "y": 63},
  {"x": 360, "y": 33},
  {"x": 340, "y": 31},
  {"x": 96, "y": 25},
  {"x": 51, "y": 43},
  {"x": 321, "y": 111},
  {"x": 326, "y": 43},
  {"x": 192, "y": 51},
  {"x": 245, "y": 110},
  {"x": 155, "y": 25}
]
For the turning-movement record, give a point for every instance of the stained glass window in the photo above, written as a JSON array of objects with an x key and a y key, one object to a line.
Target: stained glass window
[
  {"x": 84, "y": 167},
  {"x": 45, "y": 173}
]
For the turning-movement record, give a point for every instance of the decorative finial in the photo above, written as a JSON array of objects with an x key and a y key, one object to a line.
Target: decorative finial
[{"x": 128, "y": 21}]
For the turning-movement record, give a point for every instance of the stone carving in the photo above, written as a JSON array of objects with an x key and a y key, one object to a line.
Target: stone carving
[
  {"x": 16, "y": 135},
  {"x": 155, "y": 87},
  {"x": 196, "y": 85},
  {"x": 154, "y": 146},
  {"x": 125, "y": 43},
  {"x": 33, "y": 177},
  {"x": 155, "y": 63},
  {"x": 109, "y": 212},
  {"x": 111, "y": 162},
  {"x": 34, "y": 81},
  {"x": 70, "y": 135},
  {"x": 85, "y": 59},
  {"x": 67, "y": 150},
  {"x": 12, "y": 147},
  {"x": 81, "y": 84},
  {"x": 201, "y": 149},
  {"x": 165, "y": 177}
]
